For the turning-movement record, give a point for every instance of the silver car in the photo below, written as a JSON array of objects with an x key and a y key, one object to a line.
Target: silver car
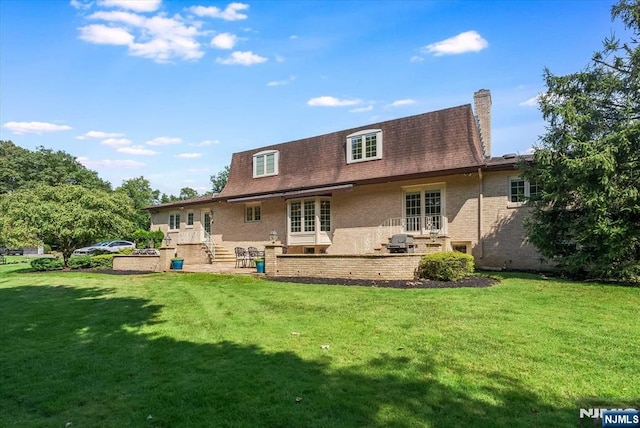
[{"x": 110, "y": 246}]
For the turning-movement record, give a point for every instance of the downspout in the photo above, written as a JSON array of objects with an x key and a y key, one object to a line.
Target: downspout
[{"x": 480, "y": 211}]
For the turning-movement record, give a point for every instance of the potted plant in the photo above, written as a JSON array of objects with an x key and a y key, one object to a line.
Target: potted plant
[
  {"x": 176, "y": 263},
  {"x": 259, "y": 264}
]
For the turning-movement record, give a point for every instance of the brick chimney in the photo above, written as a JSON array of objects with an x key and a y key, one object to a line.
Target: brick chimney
[{"x": 482, "y": 104}]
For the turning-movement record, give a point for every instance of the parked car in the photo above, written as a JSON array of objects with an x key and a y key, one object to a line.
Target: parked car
[
  {"x": 110, "y": 246},
  {"x": 12, "y": 251}
]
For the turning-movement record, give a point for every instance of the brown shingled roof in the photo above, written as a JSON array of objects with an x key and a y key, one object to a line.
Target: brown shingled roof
[
  {"x": 184, "y": 202},
  {"x": 442, "y": 142}
]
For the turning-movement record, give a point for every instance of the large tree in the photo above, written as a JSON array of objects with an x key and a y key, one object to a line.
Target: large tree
[
  {"x": 219, "y": 180},
  {"x": 587, "y": 217},
  {"x": 21, "y": 168},
  {"x": 142, "y": 195},
  {"x": 66, "y": 216}
]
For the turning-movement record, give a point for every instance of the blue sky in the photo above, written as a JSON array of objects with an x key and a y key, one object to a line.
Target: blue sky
[{"x": 170, "y": 89}]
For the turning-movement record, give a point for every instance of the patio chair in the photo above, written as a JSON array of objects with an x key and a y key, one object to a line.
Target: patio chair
[
  {"x": 254, "y": 254},
  {"x": 241, "y": 257}
]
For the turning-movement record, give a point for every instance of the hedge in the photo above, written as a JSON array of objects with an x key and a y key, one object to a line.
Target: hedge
[
  {"x": 47, "y": 263},
  {"x": 448, "y": 266}
]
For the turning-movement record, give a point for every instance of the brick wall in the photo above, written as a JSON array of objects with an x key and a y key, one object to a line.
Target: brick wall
[
  {"x": 504, "y": 243},
  {"x": 374, "y": 266},
  {"x": 137, "y": 263},
  {"x": 193, "y": 254}
]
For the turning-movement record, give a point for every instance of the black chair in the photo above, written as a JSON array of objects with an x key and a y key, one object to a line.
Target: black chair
[
  {"x": 241, "y": 257},
  {"x": 254, "y": 254}
]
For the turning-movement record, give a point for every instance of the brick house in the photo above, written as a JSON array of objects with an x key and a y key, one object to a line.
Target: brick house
[{"x": 430, "y": 175}]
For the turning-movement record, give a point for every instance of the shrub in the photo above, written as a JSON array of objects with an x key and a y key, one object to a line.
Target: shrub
[
  {"x": 126, "y": 252},
  {"x": 44, "y": 264},
  {"x": 104, "y": 261},
  {"x": 80, "y": 262},
  {"x": 449, "y": 266},
  {"x": 100, "y": 252}
]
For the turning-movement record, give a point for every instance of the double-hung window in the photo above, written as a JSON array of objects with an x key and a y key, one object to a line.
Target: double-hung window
[
  {"x": 364, "y": 145},
  {"x": 520, "y": 190},
  {"x": 252, "y": 213},
  {"x": 190, "y": 219},
  {"x": 174, "y": 221},
  {"x": 265, "y": 163}
]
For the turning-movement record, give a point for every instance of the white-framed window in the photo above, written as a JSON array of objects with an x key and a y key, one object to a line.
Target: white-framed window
[
  {"x": 520, "y": 190},
  {"x": 309, "y": 215},
  {"x": 174, "y": 221},
  {"x": 252, "y": 213},
  {"x": 265, "y": 163},
  {"x": 190, "y": 219},
  {"x": 364, "y": 145}
]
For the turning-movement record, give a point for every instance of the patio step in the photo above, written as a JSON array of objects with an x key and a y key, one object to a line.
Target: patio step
[{"x": 223, "y": 255}]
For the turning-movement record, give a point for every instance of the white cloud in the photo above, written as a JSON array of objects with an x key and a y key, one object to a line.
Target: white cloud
[
  {"x": 108, "y": 163},
  {"x": 469, "y": 41},
  {"x": 293, "y": 36},
  {"x": 99, "y": 134},
  {"x": 331, "y": 102},
  {"x": 531, "y": 102},
  {"x": 416, "y": 58},
  {"x": 205, "y": 143},
  {"x": 135, "y": 5},
  {"x": 39, "y": 128},
  {"x": 189, "y": 155},
  {"x": 128, "y": 18},
  {"x": 159, "y": 38},
  {"x": 169, "y": 38},
  {"x": 242, "y": 58},
  {"x": 279, "y": 58},
  {"x": 116, "y": 142},
  {"x": 137, "y": 150},
  {"x": 164, "y": 141},
  {"x": 399, "y": 103},
  {"x": 224, "y": 41},
  {"x": 103, "y": 35},
  {"x": 230, "y": 13},
  {"x": 361, "y": 109},
  {"x": 282, "y": 82},
  {"x": 82, "y": 5}
]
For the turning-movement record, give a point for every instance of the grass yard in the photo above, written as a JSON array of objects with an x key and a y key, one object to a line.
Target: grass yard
[{"x": 200, "y": 350}]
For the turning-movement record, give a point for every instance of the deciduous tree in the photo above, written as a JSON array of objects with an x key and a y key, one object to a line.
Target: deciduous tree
[
  {"x": 21, "y": 168},
  {"x": 142, "y": 195},
  {"x": 65, "y": 216},
  {"x": 219, "y": 180}
]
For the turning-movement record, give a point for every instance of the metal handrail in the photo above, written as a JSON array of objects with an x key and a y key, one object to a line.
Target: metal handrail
[
  {"x": 208, "y": 242},
  {"x": 416, "y": 224}
]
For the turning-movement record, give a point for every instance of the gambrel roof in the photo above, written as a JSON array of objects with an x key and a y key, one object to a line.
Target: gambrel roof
[{"x": 437, "y": 143}]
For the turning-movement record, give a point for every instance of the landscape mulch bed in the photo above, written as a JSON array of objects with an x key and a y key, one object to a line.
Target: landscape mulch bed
[
  {"x": 472, "y": 281},
  {"x": 103, "y": 271}
]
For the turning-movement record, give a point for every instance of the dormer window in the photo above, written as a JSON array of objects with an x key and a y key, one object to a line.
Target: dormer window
[
  {"x": 364, "y": 145},
  {"x": 265, "y": 163}
]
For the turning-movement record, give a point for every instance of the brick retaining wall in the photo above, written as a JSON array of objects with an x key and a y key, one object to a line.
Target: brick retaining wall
[
  {"x": 382, "y": 267},
  {"x": 137, "y": 263}
]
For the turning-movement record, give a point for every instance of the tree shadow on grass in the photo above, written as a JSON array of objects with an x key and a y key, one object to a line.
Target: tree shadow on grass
[{"x": 77, "y": 355}]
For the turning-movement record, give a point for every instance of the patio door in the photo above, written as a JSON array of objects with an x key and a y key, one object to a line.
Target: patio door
[
  {"x": 423, "y": 211},
  {"x": 206, "y": 224}
]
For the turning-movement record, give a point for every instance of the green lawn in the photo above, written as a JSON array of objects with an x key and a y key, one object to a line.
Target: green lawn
[{"x": 192, "y": 350}]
